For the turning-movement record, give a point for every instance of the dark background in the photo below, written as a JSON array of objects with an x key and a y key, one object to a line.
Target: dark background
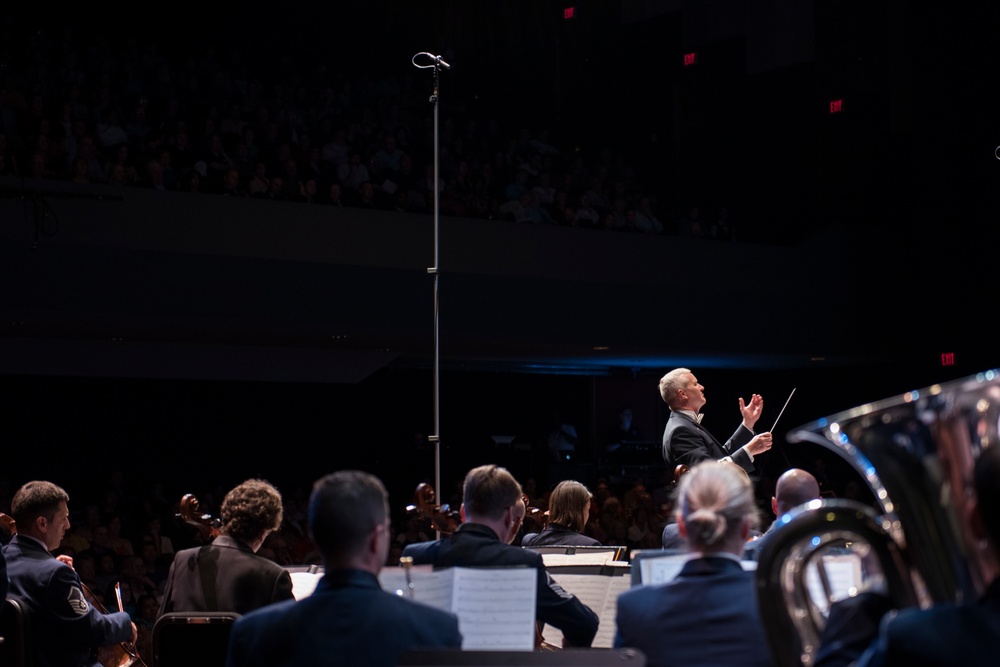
[{"x": 910, "y": 158}]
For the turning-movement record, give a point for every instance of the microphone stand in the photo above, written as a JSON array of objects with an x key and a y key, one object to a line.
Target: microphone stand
[{"x": 435, "y": 64}]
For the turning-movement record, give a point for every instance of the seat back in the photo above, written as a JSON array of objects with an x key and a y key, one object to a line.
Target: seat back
[
  {"x": 192, "y": 639},
  {"x": 15, "y": 634}
]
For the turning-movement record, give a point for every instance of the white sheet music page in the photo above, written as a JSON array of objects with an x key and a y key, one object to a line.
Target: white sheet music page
[
  {"x": 662, "y": 569},
  {"x": 495, "y": 607},
  {"x": 429, "y": 587},
  {"x": 843, "y": 572},
  {"x": 600, "y": 593}
]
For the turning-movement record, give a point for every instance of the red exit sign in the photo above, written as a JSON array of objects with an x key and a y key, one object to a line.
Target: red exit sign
[
  {"x": 947, "y": 358},
  {"x": 691, "y": 58},
  {"x": 569, "y": 13},
  {"x": 836, "y": 106}
]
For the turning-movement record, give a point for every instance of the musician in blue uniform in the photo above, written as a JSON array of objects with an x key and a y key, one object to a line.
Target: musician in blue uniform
[
  {"x": 490, "y": 511},
  {"x": 66, "y": 629},
  {"x": 708, "y": 615},
  {"x": 349, "y": 619}
]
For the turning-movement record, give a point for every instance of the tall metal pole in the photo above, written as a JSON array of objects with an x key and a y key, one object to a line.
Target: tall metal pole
[{"x": 436, "y": 64}]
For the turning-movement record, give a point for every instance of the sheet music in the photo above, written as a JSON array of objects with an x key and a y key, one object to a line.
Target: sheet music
[
  {"x": 600, "y": 593},
  {"x": 496, "y": 607},
  {"x": 304, "y": 583},
  {"x": 430, "y": 587},
  {"x": 842, "y": 571},
  {"x": 662, "y": 569},
  {"x": 582, "y": 558}
]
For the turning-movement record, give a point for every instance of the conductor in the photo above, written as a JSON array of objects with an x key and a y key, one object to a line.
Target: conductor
[{"x": 687, "y": 442}]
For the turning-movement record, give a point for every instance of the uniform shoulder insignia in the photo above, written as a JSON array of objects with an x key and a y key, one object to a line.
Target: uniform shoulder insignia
[{"x": 77, "y": 602}]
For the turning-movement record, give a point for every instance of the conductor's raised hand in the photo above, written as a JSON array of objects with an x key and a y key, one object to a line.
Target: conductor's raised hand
[
  {"x": 751, "y": 411},
  {"x": 760, "y": 443}
]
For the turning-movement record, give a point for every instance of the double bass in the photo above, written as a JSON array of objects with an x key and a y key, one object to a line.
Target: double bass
[
  {"x": 443, "y": 519},
  {"x": 190, "y": 512},
  {"x": 124, "y": 654}
]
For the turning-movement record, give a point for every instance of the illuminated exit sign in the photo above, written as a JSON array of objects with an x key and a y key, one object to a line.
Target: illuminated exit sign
[
  {"x": 836, "y": 106},
  {"x": 947, "y": 358},
  {"x": 690, "y": 58}
]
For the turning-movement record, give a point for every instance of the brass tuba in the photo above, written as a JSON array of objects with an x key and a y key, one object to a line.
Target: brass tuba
[{"x": 916, "y": 452}]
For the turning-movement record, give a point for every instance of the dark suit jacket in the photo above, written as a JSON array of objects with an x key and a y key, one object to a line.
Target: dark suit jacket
[
  {"x": 475, "y": 545},
  {"x": 706, "y": 616},
  {"x": 66, "y": 629},
  {"x": 556, "y": 535},
  {"x": 4, "y": 581},
  {"x": 688, "y": 442},
  {"x": 238, "y": 579},
  {"x": 348, "y": 620},
  {"x": 945, "y": 635}
]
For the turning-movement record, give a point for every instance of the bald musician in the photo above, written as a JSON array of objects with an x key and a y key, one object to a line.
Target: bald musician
[
  {"x": 67, "y": 630},
  {"x": 795, "y": 487}
]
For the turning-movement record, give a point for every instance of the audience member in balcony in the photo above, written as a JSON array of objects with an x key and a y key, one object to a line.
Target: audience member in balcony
[
  {"x": 231, "y": 184},
  {"x": 645, "y": 220},
  {"x": 259, "y": 183},
  {"x": 354, "y": 173}
]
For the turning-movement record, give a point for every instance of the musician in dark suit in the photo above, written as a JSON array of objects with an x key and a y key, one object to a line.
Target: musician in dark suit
[
  {"x": 489, "y": 513},
  {"x": 349, "y": 619},
  {"x": 708, "y": 614},
  {"x": 228, "y": 575},
  {"x": 959, "y": 635},
  {"x": 66, "y": 629},
  {"x": 4, "y": 581},
  {"x": 569, "y": 510},
  {"x": 795, "y": 487},
  {"x": 686, "y": 441}
]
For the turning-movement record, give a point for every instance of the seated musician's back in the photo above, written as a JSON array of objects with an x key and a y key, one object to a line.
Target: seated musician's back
[
  {"x": 228, "y": 575},
  {"x": 349, "y": 619},
  {"x": 491, "y": 511}
]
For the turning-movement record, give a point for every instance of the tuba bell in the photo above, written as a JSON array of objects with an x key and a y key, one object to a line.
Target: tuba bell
[{"x": 916, "y": 452}]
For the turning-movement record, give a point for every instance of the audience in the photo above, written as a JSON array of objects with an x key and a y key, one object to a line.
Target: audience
[{"x": 69, "y": 120}]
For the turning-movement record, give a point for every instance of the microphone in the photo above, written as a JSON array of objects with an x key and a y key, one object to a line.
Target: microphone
[{"x": 435, "y": 61}]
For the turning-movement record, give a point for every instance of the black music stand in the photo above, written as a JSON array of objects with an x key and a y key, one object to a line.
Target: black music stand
[{"x": 592, "y": 657}]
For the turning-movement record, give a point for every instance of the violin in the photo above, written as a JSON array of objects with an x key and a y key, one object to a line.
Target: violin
[
  {"x": 535, "y": 519},
  {"x": 124, "y": 654},
  {"x": 443, "y": 519},
  {"x": 190, "y": 512},
  {"x": 680, "y": 471}
]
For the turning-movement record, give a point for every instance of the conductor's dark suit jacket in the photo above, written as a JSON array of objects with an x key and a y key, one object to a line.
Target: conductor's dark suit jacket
[
  {"x": 706, "y": 616},
  {"x": 475, "y": 545},
  {"x": 224, "y": 576},
  {"x": 66, "y": 629},
  {"x": 688, "y": 442},
  {"x": 348, "y": 620}
]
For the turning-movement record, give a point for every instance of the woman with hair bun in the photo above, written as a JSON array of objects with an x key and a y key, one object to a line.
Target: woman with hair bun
[
  {"x": 708, "y": 614},
  {"x": 569, "y": 510}
]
